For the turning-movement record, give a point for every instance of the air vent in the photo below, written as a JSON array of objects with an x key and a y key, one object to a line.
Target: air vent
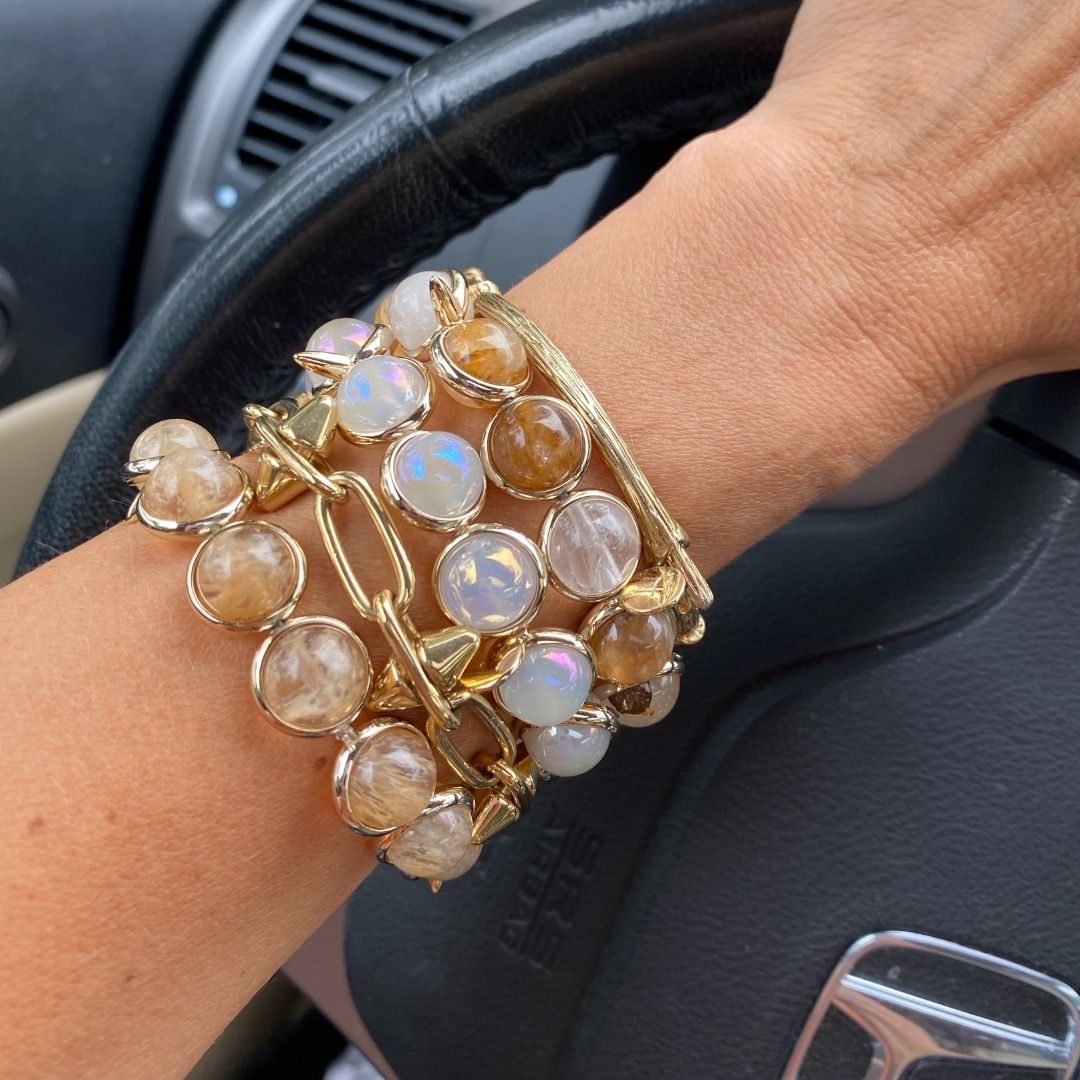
[{"x": 340, "y": 52}]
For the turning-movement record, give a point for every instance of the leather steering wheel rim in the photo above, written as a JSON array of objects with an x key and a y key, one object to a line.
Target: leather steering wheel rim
[{"x": 459, "y": 135}]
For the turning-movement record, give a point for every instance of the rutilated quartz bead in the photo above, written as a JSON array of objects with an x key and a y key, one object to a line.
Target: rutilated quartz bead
[
  {"x": 631, "y": 648},
  {"x": 314, "y": 676},
  {"x": 487, "y": 351},
  {"x": 190, "y": 485},
  {"x": 435, "y": 846},
  {"x": 246, "y": 573},
  {"x": 537, "y": 444},
  {"x": 649, "y": 702},
  {"x": 392, "y": 778},
  {"x": 167, "y": 436}
]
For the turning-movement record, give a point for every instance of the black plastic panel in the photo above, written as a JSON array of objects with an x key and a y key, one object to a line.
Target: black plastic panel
[{"x": 87, "y": 92}]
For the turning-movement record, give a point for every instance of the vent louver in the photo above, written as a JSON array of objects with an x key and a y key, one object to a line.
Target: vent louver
[{"x": 340, "y": 52}]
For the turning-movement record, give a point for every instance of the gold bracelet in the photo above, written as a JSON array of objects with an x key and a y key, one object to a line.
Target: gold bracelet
[{"x": 551, "y": 700}]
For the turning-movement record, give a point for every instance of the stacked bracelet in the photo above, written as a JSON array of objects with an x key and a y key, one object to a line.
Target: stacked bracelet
[{"x": 549, "y": 699}]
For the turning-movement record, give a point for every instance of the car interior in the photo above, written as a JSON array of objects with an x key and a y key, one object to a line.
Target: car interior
[{"x": 883, "y": 741}]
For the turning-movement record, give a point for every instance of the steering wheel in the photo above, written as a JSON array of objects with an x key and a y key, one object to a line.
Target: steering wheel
[{"x": 883, "y": 734}]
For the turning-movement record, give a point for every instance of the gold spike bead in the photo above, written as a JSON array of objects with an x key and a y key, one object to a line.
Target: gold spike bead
[
  {"x": 380, "y": 341},
  {"x": 326, "y": 365},
  {"x": 446, "y": 654},
  {"x": 434, "y": 884},
  {"x": 390, "y": 692},
  {"x": 497, "y": 813},
  {"x": 313, "y": 426},
  {"x": 279, "y": 411}
]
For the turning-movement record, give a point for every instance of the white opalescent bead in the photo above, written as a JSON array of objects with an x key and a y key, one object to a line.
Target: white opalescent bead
[
  {"x": 438, "y": 477},
  {"x": 340, "y": 336},
  {"x": 649, "y": 702},
  {"x": 592, "y": 545},
  {"x": 380, "y": 393},
  {"x": 568, "y": 749},
  {"x": 489, "y": 581},
  {"x": 410, "y": 313},
  {"x": 549, "y": 686}
]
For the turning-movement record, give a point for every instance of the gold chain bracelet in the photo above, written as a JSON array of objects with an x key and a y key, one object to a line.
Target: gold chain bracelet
[{"x": 549, "y": 700}]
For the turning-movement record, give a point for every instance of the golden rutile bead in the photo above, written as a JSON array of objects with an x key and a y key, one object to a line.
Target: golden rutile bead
[
  {"x": 438, "y": 845},
  {"x": 246, "y": 573},
  {"x": 537, "y": 444},
  {"x": 190, "y": 485},
  {"x": 487, "y": 351},
  {"x": 313, "y": 676},
  {"x": 631, "y": 648},
  {"x": 392, "y": 778},
  {"x": 166, "y": 436}
]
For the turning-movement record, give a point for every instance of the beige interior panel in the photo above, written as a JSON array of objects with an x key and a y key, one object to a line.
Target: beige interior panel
[{"x": 33, "y": 434}]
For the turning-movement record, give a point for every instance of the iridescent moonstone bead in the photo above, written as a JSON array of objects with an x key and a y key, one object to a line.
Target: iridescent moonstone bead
[
  {"x": 537, "y": 444},
  {"x": 246, "y": 573},
  {"x": 438, "y": 476},
  {"x": 378, "y": 394},
  {"x": 409, "y": 311},
  {"x": 314, "y": 676},
  {"x": 487, "y": 351},
  {"x": 631, "y": 648},
  {"x": 648, "y": 702},
  {"x": 191, "y": 485},
  {"x": 592, "y": 545},
  {"x": 549, "y": 685},
  {"x": 568, "y": 749},
  {"x": 341, "y": 336},
  {"x": 489, "y": 581},
  {"x": 391, "y": 778},
  {"x": 436, "y": 846},
  {"x": 168, "y": 435}
]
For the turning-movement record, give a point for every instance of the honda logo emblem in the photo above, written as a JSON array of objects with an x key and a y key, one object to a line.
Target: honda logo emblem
[{"x": 918, "y": 999}]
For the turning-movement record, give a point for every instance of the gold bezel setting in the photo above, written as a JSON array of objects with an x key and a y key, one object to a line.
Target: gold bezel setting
[
  {"x": 460, "y": 298},
  {"x": 468, "y": 389},
  {"x": 403, "y": 427},
  {"x": 545, "y": 539},
  {"x": 211, "y": 523},
  {"x": 558, "y": 490},
  {"x": 259, "y": 660},
  {"x": 528, "y": 639},
  {"x": 408, "y": 510},
  {"x": 443, "y": 799},
  {"x": 343, "y": 766},
  {"x": 280, "y": 613},
  {"x": 513, "y": 537}
]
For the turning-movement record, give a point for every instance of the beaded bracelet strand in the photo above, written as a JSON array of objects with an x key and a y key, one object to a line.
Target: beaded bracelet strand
[{"x": 551, "y": 700}]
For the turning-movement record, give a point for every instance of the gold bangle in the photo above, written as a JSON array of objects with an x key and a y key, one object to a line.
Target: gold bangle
[{"x": 550, "y": 699}]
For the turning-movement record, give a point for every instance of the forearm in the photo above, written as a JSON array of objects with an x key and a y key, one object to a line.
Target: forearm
[{"x": 166, "y": 849}]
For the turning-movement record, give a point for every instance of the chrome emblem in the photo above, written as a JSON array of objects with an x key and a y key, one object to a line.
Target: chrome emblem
[{"x": 915, "y": 999}]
